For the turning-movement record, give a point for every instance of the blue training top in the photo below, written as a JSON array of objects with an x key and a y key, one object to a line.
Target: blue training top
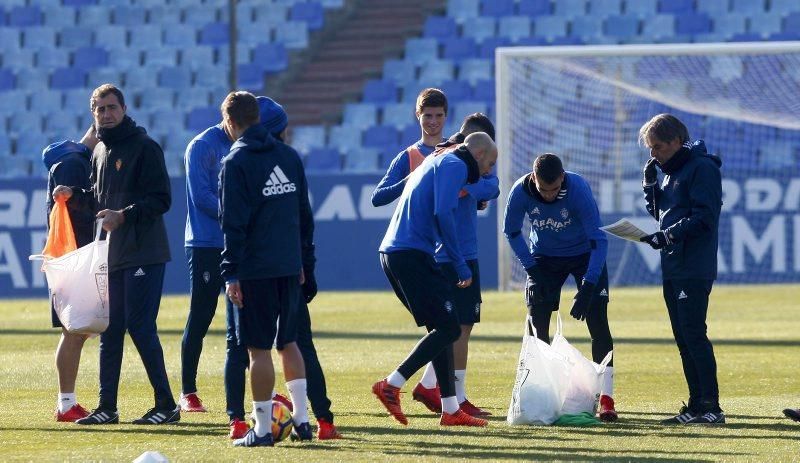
[
  {"x": 568, "y": 226},
  {"x": 487, "y": 188},
  {"x": 391, "y": 185},
  {"x": 202, "y": 161},
  {"x": 425, "y": 214}
]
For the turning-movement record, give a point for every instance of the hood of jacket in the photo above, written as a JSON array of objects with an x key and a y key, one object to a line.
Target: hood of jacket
[
  {"x": 689, "y": 150},
  {"x": 256, "y": 138},
  {"x": 57, "y": 151},
  {"x": 125, "y": 129}
]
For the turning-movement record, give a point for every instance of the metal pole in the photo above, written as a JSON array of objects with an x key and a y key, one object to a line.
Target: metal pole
[{"x": 232, "y": 77}]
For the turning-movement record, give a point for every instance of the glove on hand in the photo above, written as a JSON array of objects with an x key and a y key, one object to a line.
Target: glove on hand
[
  {"x": 650, "y": 176},
  {"x": 309, "y": 287},
  {"x": 582, "y": 301},
  {"x": 657, "y": 240}
]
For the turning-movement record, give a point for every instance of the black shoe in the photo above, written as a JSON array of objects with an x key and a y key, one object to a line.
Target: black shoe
[
  {"x": 684, "y": 416},
  {"x": 100, "y": 416},
  {"x": 302, "y": 432},
  {"x": 792, "y": 413},
  {"x": 709, "y": 418},
  {"x": 160, "y": 416},
  {"x": 252, "y": 440}
]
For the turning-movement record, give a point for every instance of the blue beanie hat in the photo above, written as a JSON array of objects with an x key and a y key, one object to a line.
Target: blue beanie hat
[
  {"x": 273, "y": 117},
  {"x": 55, "y": 151}
]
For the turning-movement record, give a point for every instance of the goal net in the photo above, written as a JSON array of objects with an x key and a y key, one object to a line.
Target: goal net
[{"x": 586, "y": 104}]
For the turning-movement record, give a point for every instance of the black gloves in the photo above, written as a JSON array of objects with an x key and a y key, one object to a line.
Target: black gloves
[
  {"x": 309, "y": 287},
  {"x": 582, "y": 301},
  {"x": 534, "y": 273},
  {"x": 657, "y": 240},
  {"x": 483, "y": 205},
  {"x": 650, "y": 176}
]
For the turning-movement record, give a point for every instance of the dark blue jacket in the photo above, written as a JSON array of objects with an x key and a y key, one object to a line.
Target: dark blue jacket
[
  {"x": 202, "y": 162},
  {"x": 264, "y": 209},
  {"x": 688, "y": 202},
  {"x": 69, "y": 163}
]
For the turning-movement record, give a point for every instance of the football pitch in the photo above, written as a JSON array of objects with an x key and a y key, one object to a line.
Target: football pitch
[{"x": 361, "y": 337}]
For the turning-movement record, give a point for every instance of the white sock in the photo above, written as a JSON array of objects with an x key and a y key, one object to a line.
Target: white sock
[
  {"x": 608, "y": 382},
  {"x": 66, "y": 401},
  {"x": 428, "y": 379},
  {"x": 396, "y": 379},
  {"x": 461, "y": 385},
  {"x": 262, "y": 412},
  {"x": 449, "y": 404},
  {"x": 297, "y": 390}
]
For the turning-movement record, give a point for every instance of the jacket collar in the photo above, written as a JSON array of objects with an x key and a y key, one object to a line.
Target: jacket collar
[
  {"x": 473, "y": 171},
  {"x": 121, "y": 131}
]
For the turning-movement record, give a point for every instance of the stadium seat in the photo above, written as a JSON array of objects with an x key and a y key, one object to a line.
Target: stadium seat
[
  {"x": 748, "y": 7},
  {"x": 549, "y": 27},
  {"x": 461, "y": 10},
  {"x": 94, "y": 15},
  {"x": 269, "y": 13},
  {"x": 164, "y": 121},
  {"x": 196, "y": 57},
  {"x": 714, "y": 8},
  {"x": 14, "y": 101},
  {"x": 67, "y": 78},
  {"x": 306, "y": 137},
  {"x": 605, "y": 7},
  {"x": 51, "y": 58},
  {"x": 7, "y": 81},
  {"x": 487, "y": 50},
  {"x": 478, "y": 29},
  {"x": 399, "y": 71},
  {"x": 658, "y": 26},
  {"x": 746, "y": 37},
  {"x": 533, "y": 8},
  {"x": 675, "y": 6},
  {"x": 154, "y": 98},
  {"x": 209, "y": 76},
  {"x": 58, "y": 17},
  {"x": 440, "y": 27},
  {"x": 622, "y": 27},
  {"x": 272, "y": 57},
  {"x": 89, "y": 58},
  {"x": 420, "y": 51},
  {"x": 783, "y": 7},
  {"x": 193, "y": 96},
  {"x": 408, "y": 135},
  {"x": 111, "y": 37},
  {"x": 125, "y": 61},
  {"x": 697, "y": 23},
  {"x": 23, "y": 122},
  {"x": 12, "y": 167},
  {"x": 250, "y": 76},
  {"x": 24, "y": 16},
  {"x": 361, "y": 115},
  {"x": 199, "y": 17},
  {"x": 147, "y": 36},
  {"x": 730, "y": 24},
  {"x": 587, "y": 28},
  {"x": 399, "y": 115},
  {"x": 791, "y": 24},
  {"x": 436, "y": 72},
  {"x": 484, "y": 90},
  {"x": 254, "y": 33},
  {"x": 380, "y": 91},
  {"x": 38, "y": 37},
  {"x": 180, "y": 36},
  {"x": 569, "y": 8},
  {"x": 343, "y": 137},
  {"x": 203, "y": 117},
  {"x": 785, "y": 36},
  {"x": 473, "y": 70},
  {"x": 70, "y": 38},
  {"x": 61, "y": 123},
  {"x": 10, "y": 38},
  {"x": 642, "y": 8},
  {"x": 412, "y": 89},
  {"x": 163, "y": 14},
  {"x": 5, "y": 143},
  {"x": 107, "y": 74},
  {"x": 323, "y": 160},
  {"x": 140, "y": 77},
  {"x": 497, "y": 8},
  {"x": 293, "y": 34},
  {"x": 332, "y": 4},
  {"x": 243, "y": 55},
  {"x": 459, "y": 48},
  {"x": 380, "y": 136},
  {"x": 362, "y": 159},
  {"x": 215, "y": 34},
  {"x": 456, "y": 90},
  {"x": 309, "y": 12},
  {"x": 130, "y": 16},
  {"x": 81, "y": 3},
  {"x": 175, "y": 77},
  {"x": 514, "y": 28},
  {"x": 50, "y": 99}
]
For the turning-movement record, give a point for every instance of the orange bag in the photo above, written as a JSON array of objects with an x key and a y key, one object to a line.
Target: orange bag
[{"x": 61, "y": 238}]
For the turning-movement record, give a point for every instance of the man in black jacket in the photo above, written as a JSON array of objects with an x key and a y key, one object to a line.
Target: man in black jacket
[
  {"x": 266, "y": 218},
  {"x": 130, "y": 189},
  {"x": 687, "y": 205}
]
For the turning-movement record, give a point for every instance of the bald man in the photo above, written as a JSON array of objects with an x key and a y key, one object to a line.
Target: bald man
[{"x": 423, "y": 219}]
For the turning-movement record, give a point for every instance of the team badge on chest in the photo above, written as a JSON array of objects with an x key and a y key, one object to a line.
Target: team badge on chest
[
  {"x": 118, "y": 164},
  {"x": 564, "y": 213}
]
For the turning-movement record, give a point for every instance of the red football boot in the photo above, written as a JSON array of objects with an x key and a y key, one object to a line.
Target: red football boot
[
  {"x": 284, "y": 400},
  {"x": 606, "y": 412},
  {"x": 430, "y": 397},
  {"x": 460, "y": 418},
  {"x": 192, "y": 403},
  {"x": 238, "y": 429},
  {"x": 326, "y": 430},
  {"x": 471, "y": 410},
  {"x": 390, "y": 398},
  {"x": 76, "y": 412}
]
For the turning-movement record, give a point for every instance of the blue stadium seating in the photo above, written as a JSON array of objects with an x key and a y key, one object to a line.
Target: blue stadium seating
[
  {"x": 783, "y": 7},
  {"x": 362, "y": 159},
  {"x": 88, "y": 58},
  {"x": 175, "y": 78},
  {"x": 549, "y": 27},
  {"x": 342, "y": 137},
  {"x": 214, "y": 34},
  {"x": 164, "y": 122},
  {"x": 533, "y": 8},
  {"x": 270, "y": 13},
  {"x": 293, "y": 34},
  {"x": 23, "y": 122},
  {"x": 156, "y": 98},
  {"x": 201, "y": 118},
  {"x": 730, "y": 24},
  {"x": 7, "y": 80},
  {"x": 180, "y": 36},
  {"x": 209, "y": 76},
  {"x": 306, "y": 137},
  {"x": 250, "y": 76},
  {"x": 440, "y": 27},
  {"x": 675, "y": 6},
  {"x": 622, "y": 27},
  {"x": 437, "y": 71},
  {"x": 59, "y": 18},
  {"x": 61, "y": 123},
  {"x": 196, "y": 57},
  {"x": 71, "y": 38},
  {"x": 484, "y": 90},
  {"x": 641, "y": 8},
  {"x": 473, "y": 70},
  {"x": 479, "y": 29},
  {"x": 399, "y": 71},
  {"x": 456, "y": 90},
  {"x": 79, "y": 2},
  {"x": 94, "y": 15},
  {"x": 422, "y": 50},
  {"x": 199, "y": 17},
  {"x": 380, "y": 91},
  {"x": 163, "y": 14},
  {"x": 130, "y": 16},
  {"x": 254, "y": 33},
  {"x": 38, "y": 37},
  {"x": 51, "y": 58},
  {"x": 361, "y": 115},
  {"x": 398, "y": 115},
  {"x": 67, "y": 78},
  {"x": 146, "y": 37},
  {"x": 24, "y": 16},
  {"x": 605, "y": 7},
  {"x": 514, "y": 27},
  {"x": 693, "y": 24},
  {"x": 409, "y": 135},
  {"x": 748, "y": 6},
  {"x": 587, "y": 27},
  {"x": 309, "y": 12},
  {"x": 791, "y": 24},
  {"x": 569, "y": 8},
  {"x": 323, "y": 160},
  {"x": 488, "y": 46},
  {"x": 380, "y": 136},
  {"x": 458, "y": 48},
  {"x": 497, "y": 8},
  {"x": 715, "y": 8},
  {"x": 460, "y": 10},
  {"x": 193, "y": 96},
  {"x": 272, "y": 57}
]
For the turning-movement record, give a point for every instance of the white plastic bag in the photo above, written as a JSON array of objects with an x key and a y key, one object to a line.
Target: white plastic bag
[
  {"x": 585, "y": 379},
  {"x": 542, "y": 379},
  {"x": 78, "y": 283}
]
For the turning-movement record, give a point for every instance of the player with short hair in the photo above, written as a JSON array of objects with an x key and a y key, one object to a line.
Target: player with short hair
[
  {"x": 565, "y": 239},
  {"x": 265, "y": 215},
  {"x": 431, "y": 113},
  {"x": 687, "y": 205},
  {"x": 425, "y": 217},
  {"x": 467, "y": 301}
]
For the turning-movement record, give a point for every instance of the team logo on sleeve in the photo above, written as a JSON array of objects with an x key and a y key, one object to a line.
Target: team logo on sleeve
[
  {"x": 564, "y": 213},
  {"x": 278, "y": 183}
]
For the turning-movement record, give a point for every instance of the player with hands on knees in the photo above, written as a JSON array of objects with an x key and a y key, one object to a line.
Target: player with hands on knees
[{"x": 565, "y": 239}]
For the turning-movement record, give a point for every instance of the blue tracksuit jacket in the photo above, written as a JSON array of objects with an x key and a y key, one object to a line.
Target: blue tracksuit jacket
[{"x": 202, "y": 161}]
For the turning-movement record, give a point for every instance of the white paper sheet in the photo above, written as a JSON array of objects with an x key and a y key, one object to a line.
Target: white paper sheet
[{"x": 623, "y": 228}]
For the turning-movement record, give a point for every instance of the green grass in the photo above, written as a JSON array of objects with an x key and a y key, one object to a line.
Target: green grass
[{"x": 362, "y": 336}]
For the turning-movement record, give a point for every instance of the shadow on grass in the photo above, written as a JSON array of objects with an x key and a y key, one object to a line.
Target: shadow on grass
[{"x": 475, "y": 337}]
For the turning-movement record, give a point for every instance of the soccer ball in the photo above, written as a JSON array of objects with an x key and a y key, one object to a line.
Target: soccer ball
[{"x": 281, "y": 421}]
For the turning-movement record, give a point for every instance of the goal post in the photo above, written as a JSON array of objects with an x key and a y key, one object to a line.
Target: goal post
[{"x": 586, "y": 104}]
